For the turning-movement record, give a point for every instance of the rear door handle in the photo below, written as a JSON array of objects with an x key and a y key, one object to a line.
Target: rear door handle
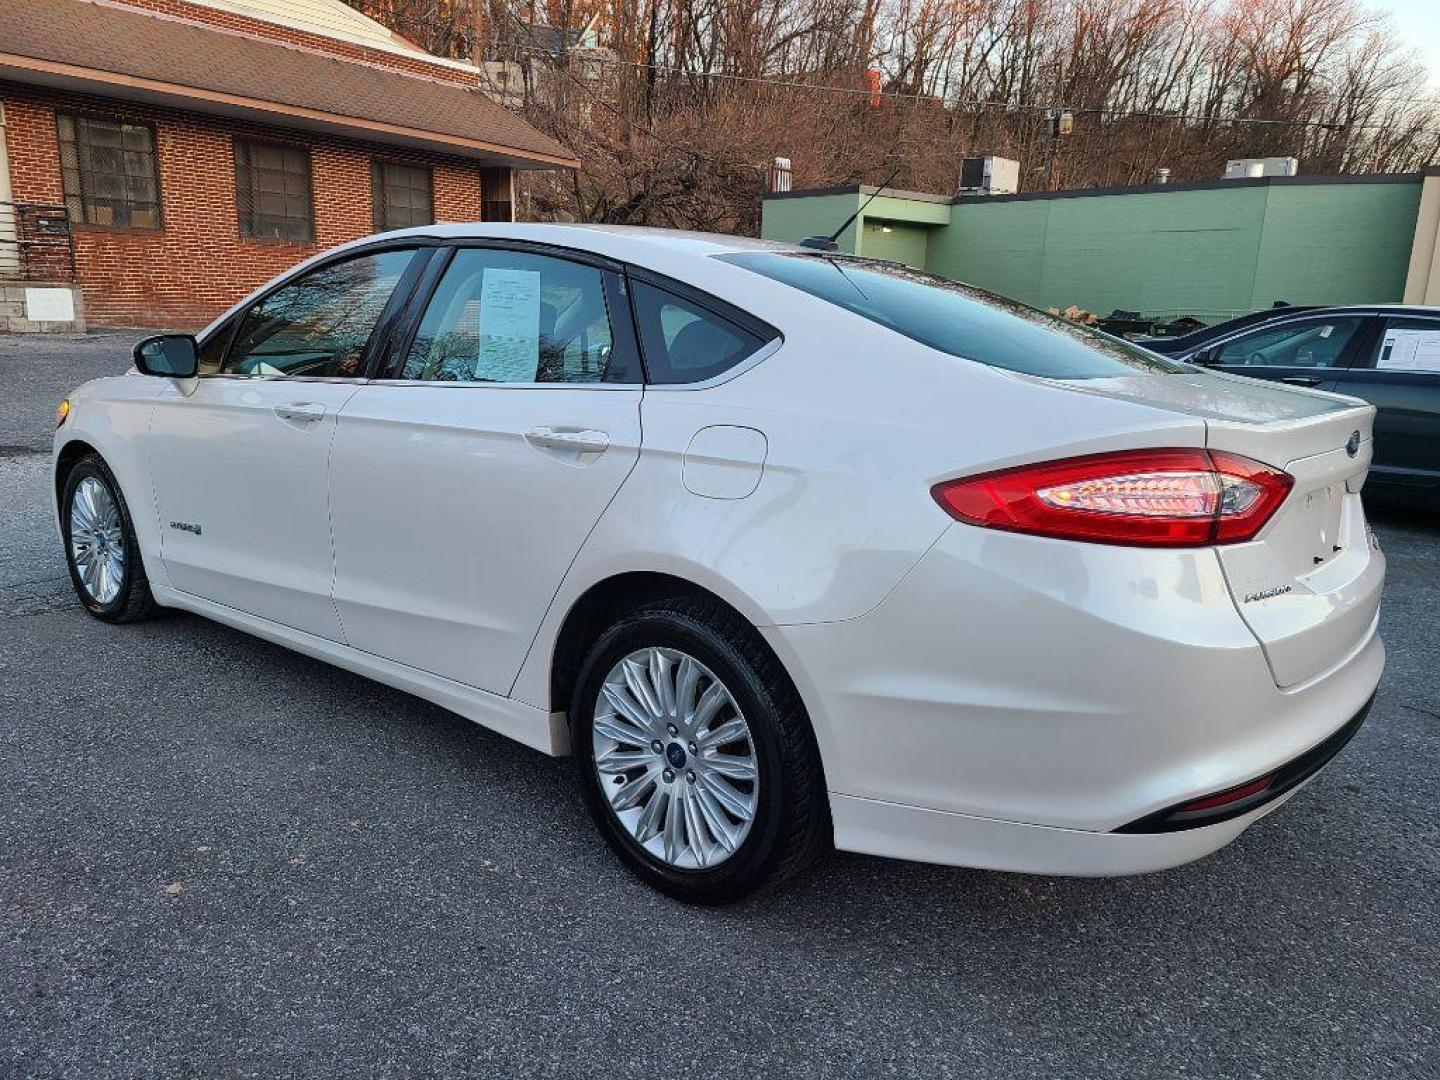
[
  {"x": 1301, "y": 380},
  {"x": 300, "y": 412},
  {"x": 584, "y": 442}
]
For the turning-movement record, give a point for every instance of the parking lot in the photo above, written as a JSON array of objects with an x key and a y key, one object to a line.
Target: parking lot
[{"x": 220, "y": 858}]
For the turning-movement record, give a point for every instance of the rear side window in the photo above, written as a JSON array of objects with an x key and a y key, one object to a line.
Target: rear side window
[
  {"x": 684, "y": 342},
  {"x": 957, "y": 319},
  {"x": 503, "y": 316}
]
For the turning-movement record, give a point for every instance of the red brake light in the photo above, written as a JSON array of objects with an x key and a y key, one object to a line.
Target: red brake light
[{"x": 1142, "y": 498}]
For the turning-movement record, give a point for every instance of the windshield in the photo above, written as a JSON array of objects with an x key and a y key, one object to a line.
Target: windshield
[{"x": 957, "y": 319}]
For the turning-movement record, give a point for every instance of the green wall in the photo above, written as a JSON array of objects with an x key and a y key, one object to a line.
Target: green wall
[
  {"x": 896, "y": 241},
  {"x": 1209, "y": 252},
  {"x": 910, "y": 221},
  {"x": 794, "y": 219},
  {"x": 1336, "y": 244},
  {"x": 1157, "y": 253}
]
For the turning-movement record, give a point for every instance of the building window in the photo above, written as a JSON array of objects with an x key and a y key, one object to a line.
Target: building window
[
  {"x": 108, "y": 172},
  {"x": 497, "y": 195},
  {"x": 272, "y": 191},
  {"x": 402, "y": 196}
]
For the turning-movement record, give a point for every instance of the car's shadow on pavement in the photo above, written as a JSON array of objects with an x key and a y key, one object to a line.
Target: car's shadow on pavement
[{"x": 377, "y": 745}]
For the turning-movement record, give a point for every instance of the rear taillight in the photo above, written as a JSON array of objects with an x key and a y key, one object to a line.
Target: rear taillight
[{"x": 1145, "y": 498}]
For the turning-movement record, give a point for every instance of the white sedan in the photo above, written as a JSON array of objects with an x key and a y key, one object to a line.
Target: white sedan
[{"x": 787, "y": 548}]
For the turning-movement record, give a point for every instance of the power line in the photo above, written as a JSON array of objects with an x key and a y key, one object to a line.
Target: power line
[{"x": 1008, "y": 106}]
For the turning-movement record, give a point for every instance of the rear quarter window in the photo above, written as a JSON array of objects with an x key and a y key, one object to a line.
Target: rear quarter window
[
  {"x": 686, "y": 342},
  {"x": 957, "y": 319}
]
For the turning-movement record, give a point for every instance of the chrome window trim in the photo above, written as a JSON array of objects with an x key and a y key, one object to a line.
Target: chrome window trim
[
  {"x": 239, "y": 377},
  {"x": 473, "y": 384},
  {"x": 759, "y": 356}
]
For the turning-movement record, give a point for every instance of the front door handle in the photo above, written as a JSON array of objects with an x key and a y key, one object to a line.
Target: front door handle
[
  {"x": 300, "y": 412},
  {"x": 584, "y": 442},
  {"x": 1301, "y": 380}
]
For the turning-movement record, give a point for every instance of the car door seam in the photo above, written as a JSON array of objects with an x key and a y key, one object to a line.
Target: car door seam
[
  {"x": 330, "y": 506},
  {"x": 560, "y": 584}
]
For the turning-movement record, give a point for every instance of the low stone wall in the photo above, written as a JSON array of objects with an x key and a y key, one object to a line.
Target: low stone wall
[{"x": 38, "y": 307}]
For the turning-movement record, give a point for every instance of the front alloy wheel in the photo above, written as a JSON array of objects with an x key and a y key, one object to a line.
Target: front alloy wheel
[
  {"x": 97, "y": 542},
  {"x": 100, "y": 546}
]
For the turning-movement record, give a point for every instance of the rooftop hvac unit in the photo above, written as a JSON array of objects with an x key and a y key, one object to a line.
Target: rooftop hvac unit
[
  {"x": 1249, "y": 168},
  {"x": 989, "y": 175}
]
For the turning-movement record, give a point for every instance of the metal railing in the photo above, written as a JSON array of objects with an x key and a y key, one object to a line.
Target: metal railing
[{"x": 36, "y": 243}]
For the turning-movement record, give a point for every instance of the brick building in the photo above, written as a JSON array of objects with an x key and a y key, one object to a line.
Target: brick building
[{"x": 173, "y": 154}]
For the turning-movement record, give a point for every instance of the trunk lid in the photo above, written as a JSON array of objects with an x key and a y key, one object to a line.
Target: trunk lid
[{"x": 1309, "y": 585}]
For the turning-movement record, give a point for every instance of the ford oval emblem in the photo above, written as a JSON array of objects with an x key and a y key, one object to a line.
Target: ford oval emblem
[{"x": 1352, "y": 444}]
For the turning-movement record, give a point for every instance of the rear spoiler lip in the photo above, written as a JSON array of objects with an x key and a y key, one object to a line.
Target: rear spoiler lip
[{"x": 1303, "y": 437}]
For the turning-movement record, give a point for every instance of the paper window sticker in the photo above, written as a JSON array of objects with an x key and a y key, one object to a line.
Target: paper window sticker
[
  {"x": 509, "y": 326},
  {"x": 1410, "y": 350}
]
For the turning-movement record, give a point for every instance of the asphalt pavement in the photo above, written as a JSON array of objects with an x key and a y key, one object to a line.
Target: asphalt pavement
[{"x": 220, "y": 858}]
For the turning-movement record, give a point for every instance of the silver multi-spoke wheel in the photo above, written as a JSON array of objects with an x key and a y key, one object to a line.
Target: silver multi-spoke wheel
[
  {"x": 675, "y": 758},
  {"x": 97, "y": 540}
]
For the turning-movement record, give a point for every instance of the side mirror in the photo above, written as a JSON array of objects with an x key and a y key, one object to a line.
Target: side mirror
[
  {"x": 170, "y": 356},
  {"x": 1202, "y": 358}
]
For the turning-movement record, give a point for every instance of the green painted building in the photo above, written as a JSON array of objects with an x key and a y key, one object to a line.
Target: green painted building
[{"x": 1210, "y": 250}]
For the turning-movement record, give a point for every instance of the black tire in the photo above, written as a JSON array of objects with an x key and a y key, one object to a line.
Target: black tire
[
  {"x": 792, "y": 820},
  {"x": 133, "y": 600}
]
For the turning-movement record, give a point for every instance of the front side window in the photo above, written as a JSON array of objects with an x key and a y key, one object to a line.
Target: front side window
[
  {"x": 319, "y": 324},
  {"x": 108, "y": 172},
  {"x": 1312, "y": 343},
  {"x": 273, "y": 192},
  {"x": 957, "y": 319},
  {"x": 1408, "y": 345},
  {"x": 402, "y": 194},
  {"x": 501, "y": 316},
  {"x": 684, "y": 342}
]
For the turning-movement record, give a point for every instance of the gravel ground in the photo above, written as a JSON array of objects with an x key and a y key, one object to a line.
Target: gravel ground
[{"x": 219, "y": 858}]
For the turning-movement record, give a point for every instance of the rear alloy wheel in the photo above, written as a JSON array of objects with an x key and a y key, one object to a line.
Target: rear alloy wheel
[
  {"x": 695, "y": 754},
  {"x": 100, "y": 546},
  {"x": 676, "y": 758}
]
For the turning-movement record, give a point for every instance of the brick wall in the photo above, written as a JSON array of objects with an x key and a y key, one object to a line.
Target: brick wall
[
  {"x": 234, "y": 22},
  {"x": 198, "y": 264}
]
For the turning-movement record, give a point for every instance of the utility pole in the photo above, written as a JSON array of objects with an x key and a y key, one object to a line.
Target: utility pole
[
  {"x": 1059, "y": 122},
  {"x": 478, "y": 54}
]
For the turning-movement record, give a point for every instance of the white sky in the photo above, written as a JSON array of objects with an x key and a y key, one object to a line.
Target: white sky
[{"x": 1418, "y": 22}]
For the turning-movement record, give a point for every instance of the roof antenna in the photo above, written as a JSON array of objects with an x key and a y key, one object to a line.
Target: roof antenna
[{"x": 829, "y": 243}]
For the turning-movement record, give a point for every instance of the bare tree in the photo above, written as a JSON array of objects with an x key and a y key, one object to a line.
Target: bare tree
[{"x": 678, "y": 116}]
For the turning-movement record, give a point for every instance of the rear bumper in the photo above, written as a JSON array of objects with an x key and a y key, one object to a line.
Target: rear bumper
[
  {"x": 1016, "y": 701},
  {"x": 934, "y": 836},
  {"x": 1158, "y": 843},
  {"x": 1253, "y": 794}
]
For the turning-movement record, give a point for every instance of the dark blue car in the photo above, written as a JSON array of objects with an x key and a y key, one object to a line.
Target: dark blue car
[{"x": 1389, "y": 355}]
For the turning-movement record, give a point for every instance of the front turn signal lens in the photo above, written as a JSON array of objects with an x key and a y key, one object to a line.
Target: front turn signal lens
[{"x": 61, "y": 412}]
